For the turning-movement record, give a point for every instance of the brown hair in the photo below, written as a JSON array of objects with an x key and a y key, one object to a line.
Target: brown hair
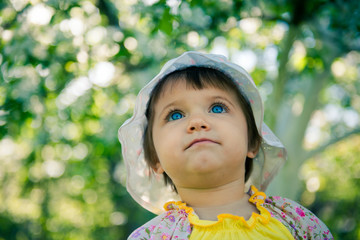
[{"x": 199, "y": 78}]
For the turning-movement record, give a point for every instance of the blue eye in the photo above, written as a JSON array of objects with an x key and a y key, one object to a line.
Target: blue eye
[
  {"x": 175, "y": 116},
  {"x": 217, "y": 109}
]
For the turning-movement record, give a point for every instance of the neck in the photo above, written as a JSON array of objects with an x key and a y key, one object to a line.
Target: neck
[
  {"x": 213, "y": 196},
  {"x": 210, "y": 202}
]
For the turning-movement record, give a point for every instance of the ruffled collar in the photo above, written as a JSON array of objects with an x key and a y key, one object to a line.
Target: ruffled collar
[{"x": 256, "y": 197}]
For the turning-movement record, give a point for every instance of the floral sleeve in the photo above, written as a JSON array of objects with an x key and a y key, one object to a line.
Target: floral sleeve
[
  {"x": 301, "y": 222},
  {"x": 172, "y": 224}
]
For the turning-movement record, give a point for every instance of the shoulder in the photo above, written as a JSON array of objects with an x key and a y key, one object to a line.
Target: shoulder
[
  {"x": 173, "y": 222},
  {"x": 301, "y": 222}
]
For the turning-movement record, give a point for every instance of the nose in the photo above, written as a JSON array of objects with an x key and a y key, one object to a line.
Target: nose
[{"x": 197, "y": 124}]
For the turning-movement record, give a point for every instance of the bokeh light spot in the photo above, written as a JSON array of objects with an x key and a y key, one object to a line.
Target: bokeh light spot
[
  {"x": 313, "y": 184},
  {"x": 40, "y": 14},
  {"x": 246, "y": 59},
  {"x": 338, "y": 68},
  {"x": 193, "y": 39},
  {"x": 118, "y": 218},
  {"x": 250, "y": 25},
  {"x": 80, "y": 151},
  {"x": 130, "y": 43},
  {"x": 54, "y": 168},
  {"x": 95, "y": 35},
  {"x": 102, "y": 74}
]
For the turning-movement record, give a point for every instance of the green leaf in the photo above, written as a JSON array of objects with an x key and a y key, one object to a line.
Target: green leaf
[{"x": 166, "y": 20}]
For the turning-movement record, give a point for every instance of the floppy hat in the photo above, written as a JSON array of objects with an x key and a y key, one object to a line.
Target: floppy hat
[{"x": 148, "y": 188}]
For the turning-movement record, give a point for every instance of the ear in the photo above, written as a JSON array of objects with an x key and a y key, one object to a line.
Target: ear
[
  {"x": 158, "y": 168},
  {"x": 252, "y": 153}
]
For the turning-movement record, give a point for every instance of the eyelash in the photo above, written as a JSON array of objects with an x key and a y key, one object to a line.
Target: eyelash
[
  {"x": 171, "y": 111},
  {"x": 174, "y": 110},
  {"x": 226, "y": 108}
]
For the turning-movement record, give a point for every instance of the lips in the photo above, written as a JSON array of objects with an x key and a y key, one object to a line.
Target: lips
[{"x": 200, "y": 140}]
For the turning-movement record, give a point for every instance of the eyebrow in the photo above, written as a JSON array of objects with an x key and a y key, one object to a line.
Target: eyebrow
[
  {"x": 224, "y": 99},
  {"x": 174, "y": 103}
]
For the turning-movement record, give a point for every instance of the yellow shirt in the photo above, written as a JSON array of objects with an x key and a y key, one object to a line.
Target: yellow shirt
[
  {"x": 278, "y": 218},
  {"x": 228, "y": 226}
]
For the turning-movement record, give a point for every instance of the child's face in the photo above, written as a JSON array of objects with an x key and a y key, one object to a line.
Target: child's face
[{"x": 200, "y": 136}]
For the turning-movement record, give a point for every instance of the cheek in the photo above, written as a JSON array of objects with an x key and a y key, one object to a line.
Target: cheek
[
  {"x": 164, "y": 143},
  {"x": 239, "y": 137}
]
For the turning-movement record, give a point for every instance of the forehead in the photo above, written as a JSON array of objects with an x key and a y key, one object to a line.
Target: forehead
[{"x": 182, "y": 86}]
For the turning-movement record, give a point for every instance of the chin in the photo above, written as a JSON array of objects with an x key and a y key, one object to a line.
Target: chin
[{"x": 204, "y": 164}]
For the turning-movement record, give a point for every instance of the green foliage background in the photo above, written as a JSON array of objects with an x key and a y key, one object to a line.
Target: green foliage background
[{"x": 70, "y": 71}]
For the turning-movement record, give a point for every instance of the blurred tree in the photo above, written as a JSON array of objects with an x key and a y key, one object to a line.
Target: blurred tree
[
  {"x": 70, "y": 71},
  {"x": 332, "y": 187}
]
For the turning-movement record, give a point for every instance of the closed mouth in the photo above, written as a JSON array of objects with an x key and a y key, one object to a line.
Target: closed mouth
[{"x": 200, "y": 140}]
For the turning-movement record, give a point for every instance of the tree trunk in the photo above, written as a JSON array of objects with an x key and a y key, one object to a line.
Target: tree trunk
[{"x": 287, "y": 182}]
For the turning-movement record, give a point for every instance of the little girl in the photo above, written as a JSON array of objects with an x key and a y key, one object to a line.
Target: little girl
[{"x": 197, "y": 151}]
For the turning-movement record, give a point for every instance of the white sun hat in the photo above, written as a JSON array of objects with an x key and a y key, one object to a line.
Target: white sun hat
[{"x": 148, "y": 188}]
